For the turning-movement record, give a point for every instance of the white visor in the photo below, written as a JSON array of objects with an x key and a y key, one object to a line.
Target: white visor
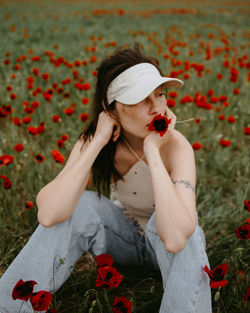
[{"x": 137, "y": 82}]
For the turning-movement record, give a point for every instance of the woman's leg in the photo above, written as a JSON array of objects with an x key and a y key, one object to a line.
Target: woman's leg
[
  {"x": 186, "y": 285},
  {"x": 97, "y": 226}
]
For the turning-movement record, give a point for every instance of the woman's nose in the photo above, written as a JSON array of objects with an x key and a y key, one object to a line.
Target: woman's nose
[{"x": 154, "y": 106}]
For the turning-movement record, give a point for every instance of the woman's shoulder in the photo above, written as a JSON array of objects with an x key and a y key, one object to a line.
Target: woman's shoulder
[
  {"x": 178, "y": 139},
  {"x": 178, "y": 144}
]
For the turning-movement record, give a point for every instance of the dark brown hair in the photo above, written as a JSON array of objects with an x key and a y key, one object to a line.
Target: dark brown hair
[{"x": 123, "y": 58}]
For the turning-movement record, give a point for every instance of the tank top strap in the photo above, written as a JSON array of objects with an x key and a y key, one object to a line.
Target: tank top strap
[{"x": 131, "y": 149}]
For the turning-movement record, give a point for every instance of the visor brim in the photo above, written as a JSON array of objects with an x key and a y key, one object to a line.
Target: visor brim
[{"x": 143, "y": 89}]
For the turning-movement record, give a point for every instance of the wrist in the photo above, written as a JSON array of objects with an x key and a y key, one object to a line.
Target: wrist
[
  {"x": 150, "y": 150},
  {"x": 98, "y": 142}
]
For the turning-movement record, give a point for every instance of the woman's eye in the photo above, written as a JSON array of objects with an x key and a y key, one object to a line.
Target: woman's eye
[{"x": 161, "y": 94}]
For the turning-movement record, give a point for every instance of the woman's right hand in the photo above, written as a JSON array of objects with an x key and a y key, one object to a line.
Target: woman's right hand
[{"x": 107, "y": 127}]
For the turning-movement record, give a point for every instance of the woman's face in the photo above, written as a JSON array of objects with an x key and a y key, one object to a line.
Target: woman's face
[{"x": 134, "y": 119}]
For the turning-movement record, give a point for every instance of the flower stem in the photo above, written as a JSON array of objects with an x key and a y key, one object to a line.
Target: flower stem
[
  {"x": 20, "y": 307},
  {"x": 190, "y": 119},
  {"x": 54, "y": 296},
  {"x": 107, "y": 299}
]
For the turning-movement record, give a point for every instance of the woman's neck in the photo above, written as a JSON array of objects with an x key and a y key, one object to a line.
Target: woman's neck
[{"x": 136, "y": 143}]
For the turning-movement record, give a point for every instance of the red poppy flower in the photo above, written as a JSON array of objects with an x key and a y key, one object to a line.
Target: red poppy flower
[
  {"x": 60, "y": 143},
  {"x": 231, "y": 119},
  {"x": 58, "y": 157},
  {"x": 171, "y": 103},
  {"x": 29, "y": 110},
  {"x": 243, "y": 232},
  {"x": 104, "y": 260},
  {"x": 8, "y": 88},
  {"x": 84, "y": 117},
  {"x": 52, "y": 310},
  {"x": 45, "y": 76},
  {"x": 29, "y": 205},
  {"x": 30, "y": 79},
  {"x": 17, "y": 121},
  {"x": 240, "y": 274},
  {"x": 210, "y": 92},
  {"x": 85, "y": 100},
  {"x": 35, "y": 71},
  {"x": 38, "y": 89},
  {"x": 173, "y": 94},
  {"x": 64, "y": 137},
  {"x": 6, "y": 159},
  {"x": 13, "y": 96},
  {"x": 69, "y": 111},
  {"x": 108, "y": 277},
  {"x": 59, "y": 90},
  {"x": 217, "y": 275},
  {"x": 214, "y": 99},
  {"x": 197, "y": 146},
  {"x": 56, "y": 118},
  {"x": 66, "y": 81},
  {"x": 36, "y": 58},
  {"x": 17, "y": 67},
  {"x": 86, "y": 86},
  {"x": 32, "y": 130},
  {"x": 223, "y": 98},
  {"x": 93, "y": 58},
  {"x": 66, "y": 95},
  {"x": 77, "y": 63},
  {"x": 122, "y": 305},
  {"x": 247, "y": 130},
  {"x": 47, "y": 96},
  {"x": 40, "y": 158},
  {"x": 19, "y": 147},
  {"x": 247, "y": 205},
  {"x": 6, "y": 182},
  {"x": 23, "y": 290},
  {"x": 159, "y": 124},
  {"x": 225, "y": 143},
  {"x": 247, "y": 295},
  {"x": 221, "y": 117},
  {"x": 41, "y": 300},
  {"x": 236, "y": 91},
  {"x": 6, "y": 62}
]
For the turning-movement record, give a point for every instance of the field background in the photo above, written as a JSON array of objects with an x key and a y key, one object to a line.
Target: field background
[{"x": 201, "y": 40}]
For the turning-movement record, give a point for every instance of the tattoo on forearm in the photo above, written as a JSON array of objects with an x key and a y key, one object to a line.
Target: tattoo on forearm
[{"x": 185, "y": 182}]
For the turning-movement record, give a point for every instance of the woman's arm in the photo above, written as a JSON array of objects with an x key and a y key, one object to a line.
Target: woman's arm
[
  {"x": 57, "y": 200},
  {"x": 174, "y": 200}
]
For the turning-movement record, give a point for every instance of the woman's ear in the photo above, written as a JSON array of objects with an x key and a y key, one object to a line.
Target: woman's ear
[{"x": 113, "y": 113}]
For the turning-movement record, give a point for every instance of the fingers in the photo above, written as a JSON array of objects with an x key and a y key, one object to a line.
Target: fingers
[{"x": 171, "y": 115}]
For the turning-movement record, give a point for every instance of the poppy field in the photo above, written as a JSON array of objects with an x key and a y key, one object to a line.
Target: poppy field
[{"x": 50, "y": 51}]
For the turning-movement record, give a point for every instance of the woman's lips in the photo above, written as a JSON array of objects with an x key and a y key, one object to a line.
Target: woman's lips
[{"x": 153, "y": 118}]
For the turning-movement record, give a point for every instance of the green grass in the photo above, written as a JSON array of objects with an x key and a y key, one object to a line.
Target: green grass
[{"x": 222, "y": 172}]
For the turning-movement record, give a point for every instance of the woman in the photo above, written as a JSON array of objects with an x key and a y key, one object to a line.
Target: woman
[{"x": 151, "y": 218}]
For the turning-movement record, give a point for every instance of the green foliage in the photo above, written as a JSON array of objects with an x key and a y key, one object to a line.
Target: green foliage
[{"x": 222, "y": 172}]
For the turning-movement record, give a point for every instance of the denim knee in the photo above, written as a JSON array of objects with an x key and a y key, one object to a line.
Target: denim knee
[
  {"x": 85, "y": 212},
  {"x": 92, "y": 210}
]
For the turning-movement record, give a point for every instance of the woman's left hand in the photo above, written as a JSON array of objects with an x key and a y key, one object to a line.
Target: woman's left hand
[{"x": 154, "y": 138}]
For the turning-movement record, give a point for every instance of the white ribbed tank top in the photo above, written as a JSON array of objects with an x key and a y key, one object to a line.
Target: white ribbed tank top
[{"x": 135, "y": 194}]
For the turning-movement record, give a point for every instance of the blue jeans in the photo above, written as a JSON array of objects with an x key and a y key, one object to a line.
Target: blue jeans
[{"x": 99, "y": 226}]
